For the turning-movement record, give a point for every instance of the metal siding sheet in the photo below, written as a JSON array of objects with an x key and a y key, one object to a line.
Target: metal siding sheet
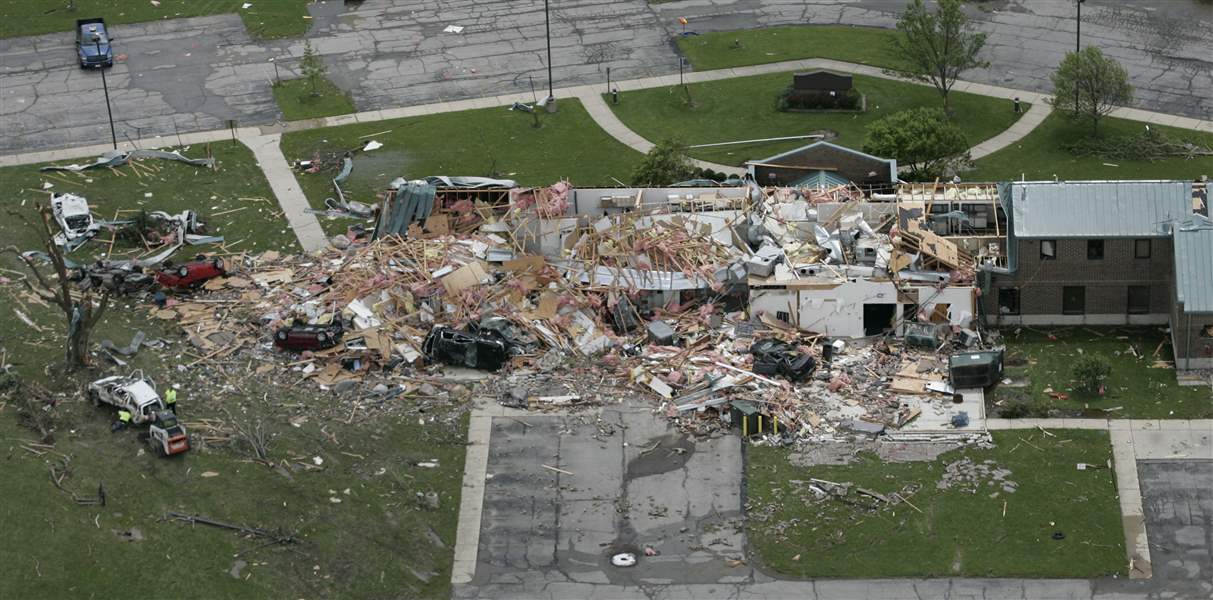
[
  {"x": 1194, "y": 264},
  {"x": 1102, "y": 209},
  {"x": 412, "y": 202}
]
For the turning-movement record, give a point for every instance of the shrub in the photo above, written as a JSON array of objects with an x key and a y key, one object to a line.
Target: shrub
[
  {"x": 1090, "y": 372},
  {"x": 792, "y": 99},
  {"x": 665, "y": 163}
]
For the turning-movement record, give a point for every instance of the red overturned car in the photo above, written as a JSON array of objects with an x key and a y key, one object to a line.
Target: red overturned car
[
  {"x": 299, "y": 337},
  {"x": 191, "y": 274}
]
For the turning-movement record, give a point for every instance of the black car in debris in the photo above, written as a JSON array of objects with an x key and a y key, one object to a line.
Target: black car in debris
[
  {"x": 773, "y": 357},
  {"x": 485, "y": 350}
]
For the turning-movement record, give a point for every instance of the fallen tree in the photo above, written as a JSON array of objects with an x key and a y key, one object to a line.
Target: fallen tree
[{"x": 1148, "y": 145}]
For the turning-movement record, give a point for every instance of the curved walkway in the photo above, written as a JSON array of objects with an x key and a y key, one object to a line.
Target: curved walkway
[
  {"x": 610, "y": 123},
  {"x": 293, "y": 202}
]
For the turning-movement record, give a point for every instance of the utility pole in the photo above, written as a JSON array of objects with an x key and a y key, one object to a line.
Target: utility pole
[
  {"x": 1078, "y": 29},
  {"x": 105, "y": 86},
  {"x": 547, "y": 25},
  {"x": 1077, "y": 43}
]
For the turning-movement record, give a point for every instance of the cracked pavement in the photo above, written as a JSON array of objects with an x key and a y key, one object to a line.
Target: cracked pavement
[
  {"x": 545, "y": 532},
  {"x": 196, "y": 74},
  {"x": 1165, "y": 46}
]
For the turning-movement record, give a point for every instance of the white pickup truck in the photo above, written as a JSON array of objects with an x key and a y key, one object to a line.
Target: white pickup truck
[{"x": 134, "y": 393}]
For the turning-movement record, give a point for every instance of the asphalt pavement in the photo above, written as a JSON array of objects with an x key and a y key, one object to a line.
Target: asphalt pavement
[
  {"x": 184, "y": 75},
  {"x": 563, "y": 494}
]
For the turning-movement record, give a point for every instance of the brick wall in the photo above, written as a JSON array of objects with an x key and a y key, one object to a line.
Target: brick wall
[
  {"x": 1106, "y": 281},
  {"x": 1192, "y": 346}
]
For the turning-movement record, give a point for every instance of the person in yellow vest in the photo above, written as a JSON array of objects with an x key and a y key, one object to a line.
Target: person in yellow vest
[
  {"x": 124, "y": 420},
  {"x": 170, "y": 400}
]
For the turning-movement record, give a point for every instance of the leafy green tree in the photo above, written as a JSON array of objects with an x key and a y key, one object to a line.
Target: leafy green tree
[
  {"x": 312, "y": 67},
  {"x": 936, "y": 47},
  {"x": 666, "y": 163},
  {"x": 1089, "y": 85},
  {"x": 921, "y": 139}
]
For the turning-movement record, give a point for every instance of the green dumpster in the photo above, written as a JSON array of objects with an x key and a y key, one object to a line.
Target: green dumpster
[{"x": 975, "y": 369}]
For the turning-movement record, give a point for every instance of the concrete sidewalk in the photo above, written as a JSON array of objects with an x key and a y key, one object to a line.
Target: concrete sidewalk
[
  {"x": 286, "y": 188},
  {"x": 582, "y": 92},
  {"x": 311, "y": 236}
]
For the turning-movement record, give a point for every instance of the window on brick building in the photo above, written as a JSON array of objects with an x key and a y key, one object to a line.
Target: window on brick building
[
  {"x": 1094, "y": 249},
  {"x": 1008, "y": 301},
  {"x": 1048, "y": 249},
  {"x": 1139, "y": 299},
  {"x": 1141, "y": 248},
  {"x": 1073, "y": 300}
]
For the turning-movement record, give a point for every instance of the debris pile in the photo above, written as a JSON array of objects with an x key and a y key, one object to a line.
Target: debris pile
[{"x": 724, "y": 309}]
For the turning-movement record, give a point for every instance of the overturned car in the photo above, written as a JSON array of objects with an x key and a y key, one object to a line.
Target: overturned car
[
  {"x": 73, "y": 216},
  {"x": 120, "y": 277},
  {"x": 485, "y": 349},
  {"x": 299, "y": 337},
  {"x": 191, "y": 274},
  {"x": 773, "y": 357}
]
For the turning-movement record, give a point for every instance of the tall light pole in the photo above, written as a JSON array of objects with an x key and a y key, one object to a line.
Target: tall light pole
[
  {"x": 1077, "y": 43},
  {"x": 547, "y": 26},
  {"x": 1078, "y": 29},
  {"x": 105, "y": 86}
]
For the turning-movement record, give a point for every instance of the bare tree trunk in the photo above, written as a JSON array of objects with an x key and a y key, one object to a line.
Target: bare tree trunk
[
  {"x": 77, "y": 348},
  {"x": 81, "y": 316}
]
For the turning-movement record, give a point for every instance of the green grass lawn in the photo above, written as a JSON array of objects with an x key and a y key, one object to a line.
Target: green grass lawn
[
  {"x": 1040, "y": 156},
  {"x": 247, "y": 214},
  {"x": 958, "y": 533},
  {"x": 485, "y": 142},
  {"x": 264, "y": 19},
  {"x": 372, "y": 543},
  {"x": 296, "y": 100},
  {"x": 724, "y": 49},
  {"x": 744, "y": 108},
  {"x": 1140, "y": 392}
]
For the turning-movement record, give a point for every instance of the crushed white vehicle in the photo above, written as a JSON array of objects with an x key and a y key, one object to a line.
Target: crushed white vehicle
[
  {"x": 134, "y": 393},
  {"x": 74, "y": 218}
]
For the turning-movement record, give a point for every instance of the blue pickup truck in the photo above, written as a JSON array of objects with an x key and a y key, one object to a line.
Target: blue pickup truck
[{"x": 93, "y": 44}]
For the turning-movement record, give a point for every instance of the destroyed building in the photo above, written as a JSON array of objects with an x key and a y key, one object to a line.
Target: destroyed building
[{"x": 810, "y": 311}]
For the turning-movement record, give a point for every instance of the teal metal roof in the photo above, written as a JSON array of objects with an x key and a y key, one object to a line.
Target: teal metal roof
[
  {"x": 1194, "y": 264},
  {"x": 1098, "y": 209},
  {"x": 821, "y": 180}
]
